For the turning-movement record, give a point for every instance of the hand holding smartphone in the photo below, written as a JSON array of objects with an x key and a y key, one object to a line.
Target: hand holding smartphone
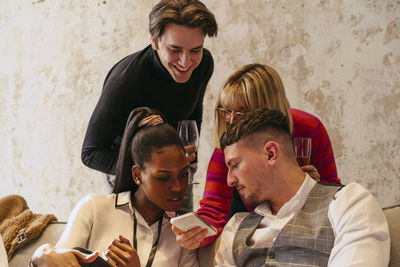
[{"x": 190, "y": 220}]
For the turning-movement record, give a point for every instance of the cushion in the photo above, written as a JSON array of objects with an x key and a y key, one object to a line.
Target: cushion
[
  {"x": 51, "y": 234},
  {"x": 393, "y": 218}
]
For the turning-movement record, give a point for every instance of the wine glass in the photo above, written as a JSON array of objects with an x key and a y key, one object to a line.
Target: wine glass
[
  {"x": 302, "y": 150},
  {"x": 187, "y": 131}
]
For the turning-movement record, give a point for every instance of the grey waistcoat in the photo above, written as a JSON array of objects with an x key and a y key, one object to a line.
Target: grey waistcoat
[{"x": 306, "y": 240}]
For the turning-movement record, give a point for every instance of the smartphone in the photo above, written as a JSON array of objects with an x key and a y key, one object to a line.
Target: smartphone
[{"x": 190, "y": 220}]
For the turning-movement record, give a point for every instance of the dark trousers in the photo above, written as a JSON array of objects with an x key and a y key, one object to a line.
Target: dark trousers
[{"x": 187, "y": 203}]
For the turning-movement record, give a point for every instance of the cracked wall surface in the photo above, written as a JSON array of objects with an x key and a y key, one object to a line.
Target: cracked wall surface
[{"x": 339, "y": 60}]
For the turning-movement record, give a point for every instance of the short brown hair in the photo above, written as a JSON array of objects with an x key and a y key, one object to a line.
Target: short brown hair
[
  {"x": 272, "y": 122},
  {"x": 190, "y": 13}
]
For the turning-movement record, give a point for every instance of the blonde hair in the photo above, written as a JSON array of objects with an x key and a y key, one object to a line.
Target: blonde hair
[{"x": 252, "y": 87}]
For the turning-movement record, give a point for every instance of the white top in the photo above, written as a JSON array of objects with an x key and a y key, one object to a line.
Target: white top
[
  {"x": 360, "y": 227},
  {"x": 98, "y": 219},
  {"x": 3, "y": 254}
]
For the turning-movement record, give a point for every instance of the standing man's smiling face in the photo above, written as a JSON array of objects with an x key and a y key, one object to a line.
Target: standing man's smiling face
[{"x": 180, "y": 50}]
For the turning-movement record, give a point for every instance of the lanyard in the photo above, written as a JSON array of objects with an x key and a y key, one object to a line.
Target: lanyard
[{"x": 154, "y": 247}]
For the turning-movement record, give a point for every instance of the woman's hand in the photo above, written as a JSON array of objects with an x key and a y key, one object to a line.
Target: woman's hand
[
  {"x": 190, "y": 153},
  {"x": 312, "y": 171},
  {"x": 49, "y": 256},
  {"x": 190, "y": 239},
  {"x": 121, "y": 253}
]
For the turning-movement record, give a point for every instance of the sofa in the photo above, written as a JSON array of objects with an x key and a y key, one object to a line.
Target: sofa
[{"x": 206, "y": 255}]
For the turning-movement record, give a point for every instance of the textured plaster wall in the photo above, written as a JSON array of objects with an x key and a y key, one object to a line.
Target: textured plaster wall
[{"x": 339, "y": 60}]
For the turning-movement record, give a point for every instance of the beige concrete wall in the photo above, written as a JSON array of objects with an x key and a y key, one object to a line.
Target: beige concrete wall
[{"x": 339, "y": 60}]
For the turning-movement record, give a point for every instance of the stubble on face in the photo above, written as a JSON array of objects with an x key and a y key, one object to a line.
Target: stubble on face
[{"x": 246, "y": 167}]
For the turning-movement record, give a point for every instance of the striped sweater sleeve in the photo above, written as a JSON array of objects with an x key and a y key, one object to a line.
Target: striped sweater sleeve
[
  {"x": 322, "y": 156},
  {"x": 217, "y": 197}
]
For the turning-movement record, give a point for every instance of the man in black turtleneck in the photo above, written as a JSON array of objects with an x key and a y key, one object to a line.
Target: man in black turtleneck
[{"x": 169, "y": 75}]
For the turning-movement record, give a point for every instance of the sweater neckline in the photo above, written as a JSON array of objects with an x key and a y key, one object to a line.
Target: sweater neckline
[{"x": 160, "y": 70}]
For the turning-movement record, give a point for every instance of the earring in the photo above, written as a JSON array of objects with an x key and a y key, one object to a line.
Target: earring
[{"x": 137, "y": 181}]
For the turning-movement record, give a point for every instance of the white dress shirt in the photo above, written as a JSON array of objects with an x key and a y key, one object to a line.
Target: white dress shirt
[
  {"x": 360, "y": 227},
  {"x": 98, "y": 219}
]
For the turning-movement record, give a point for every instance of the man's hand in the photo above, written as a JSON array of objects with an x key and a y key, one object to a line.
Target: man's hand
[
  {"x": 121, "y": 253},
  {"x": 49, "y": 256},
  {"x": 190, "y": 153},
  {"x": 190, "y": 239},
  {"x": 312, "y": 171}
]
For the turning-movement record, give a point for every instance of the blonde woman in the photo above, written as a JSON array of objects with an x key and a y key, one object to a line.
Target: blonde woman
[{"x": 252, "y": 87}]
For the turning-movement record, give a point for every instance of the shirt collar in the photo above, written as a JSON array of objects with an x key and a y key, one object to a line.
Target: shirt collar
[
  {"x": 124, "y": 199},
  {"x": 293, "y": 205}
]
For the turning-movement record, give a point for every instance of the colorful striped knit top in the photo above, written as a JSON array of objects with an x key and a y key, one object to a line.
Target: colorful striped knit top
[{"x": 215, "y": 205}]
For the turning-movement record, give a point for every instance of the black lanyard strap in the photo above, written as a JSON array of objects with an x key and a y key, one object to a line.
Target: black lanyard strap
[{"x": 154, "y": 247}]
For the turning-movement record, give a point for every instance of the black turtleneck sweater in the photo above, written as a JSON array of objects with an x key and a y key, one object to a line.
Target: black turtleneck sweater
[{"x": 140, "y": 80}]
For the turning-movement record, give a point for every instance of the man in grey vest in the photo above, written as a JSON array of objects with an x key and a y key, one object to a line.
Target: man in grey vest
[{"x": 297, "y": 221}]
